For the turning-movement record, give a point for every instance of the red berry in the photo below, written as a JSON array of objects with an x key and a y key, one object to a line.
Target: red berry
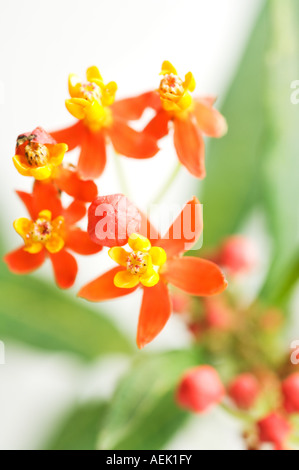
[
  {"x": 199, "y": 389},
  {"x": 244, "y": 391},
  {"x": 112, "y": 219},
  {"x": 290, "y": 390},
  {"x": 274, "y": 428},
  {"x": 238, "y": 254}
]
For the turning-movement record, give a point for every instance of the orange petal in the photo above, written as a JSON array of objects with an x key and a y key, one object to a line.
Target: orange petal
[
  {"x": 195, "y": 276},
  {"x": 69, "y": 181},
  {"x": 74, "y": 212},
  {"x": 154, "y": 314},
  {"x": 158, "y": 126},
  {"x": 79, "y": 242},
  {"x": 131, "y": 143},
  {"x": 22, "y": 262},
  {"x": 103, "y": 288},
  {"x": 46, "y": 197},
  {"x": 185, "y": 230},
  {"x": 28, "y": 201},
  {"x": 92, "y": 160},
  {"x": 131, "y": 109},
  {"x": 208, "y": 100},
  {"x": 189, "y": 145},
  {"x": 210, "y": 121},
  {"x": 65, "y": 268},
  {"x": 72, "y": 136}
]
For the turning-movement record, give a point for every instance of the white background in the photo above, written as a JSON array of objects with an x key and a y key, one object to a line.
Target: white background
[{"x": 40, "y": 44}]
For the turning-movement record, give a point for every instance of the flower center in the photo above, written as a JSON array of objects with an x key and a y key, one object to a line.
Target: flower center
[
  {"x": 172, "y": 84},
  {"x": 137, "y": 262},
  {"x": 36, "y": 154},
  {"x": 90, "y": 91},
  {"x": 41, "y": 231}
]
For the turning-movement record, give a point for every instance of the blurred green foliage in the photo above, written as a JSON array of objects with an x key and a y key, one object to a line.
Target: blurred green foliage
[
  {"x": 232, "y": 185},
  {"x": 79, "y": 431},
  {"x": 256, "y": 166},
  {"x": 143, "y": 415},
  {"x": 280, "y": 158},
  {"x": 39, "y": 314},
  {"x": 34, "y": 312}
]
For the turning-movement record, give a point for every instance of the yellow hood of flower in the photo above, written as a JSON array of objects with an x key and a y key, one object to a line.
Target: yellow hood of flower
[
  {"x": 41, "y": 171},
  {"x": 174, "y": 92},
  {"x": 90, "y": 100},
  {"x": 44, "y": 232},
  {"x": 139, "y": 263}
]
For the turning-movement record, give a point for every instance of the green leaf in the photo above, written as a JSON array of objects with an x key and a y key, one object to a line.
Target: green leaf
[
  {"x": 80, "y": 429},
  {"x": 34, "y": 312},
  {"x": 143, "y": 414},
  {"x": 280, "y": 169},
  {"x": 230, "y": 189}
]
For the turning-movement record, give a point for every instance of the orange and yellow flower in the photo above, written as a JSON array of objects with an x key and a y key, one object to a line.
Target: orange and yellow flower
[
  {"x": 41, "y": 233},
  {"x": 141, "y": 265},
  {"x": 91, "y": 103},
  {"x": 154, "y": 263},
  {"x": 191, "y": 117},
  {"x": 90, "y": 100},
  {"x": 174, "y": 92},
  {"x": 50, "y": 232},
  {"x": 38, "y": 154}
]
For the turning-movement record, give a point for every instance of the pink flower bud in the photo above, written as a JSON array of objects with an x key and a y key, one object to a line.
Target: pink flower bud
[
  {"x": 181, "y": 302},
  {"x": 238, "y": 254},
  {"x": 196, "y": 329},
  {"x": 272, "y": 320},
  {"x": 244, "y": 391},
  {"x": 275, "y": 429},
  {"x": 112, "y": 219},
  {"x": 199, "y": 389},
  {"x": 218, "y": 314},
  {"x": 290, "y": 390}
]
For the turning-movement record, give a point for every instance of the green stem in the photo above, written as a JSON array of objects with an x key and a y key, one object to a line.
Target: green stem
[
  {"x": 236, "y": 413},
  {"x": 121, "y": 176},
  {"x": 168, "y": 183}
]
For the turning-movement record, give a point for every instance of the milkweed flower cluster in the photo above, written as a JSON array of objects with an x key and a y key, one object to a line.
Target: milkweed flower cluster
[
  {"x": 150, "y": 261},
  {"x": 176, "y": 109},
  {"x": 154, "y": 263}
]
